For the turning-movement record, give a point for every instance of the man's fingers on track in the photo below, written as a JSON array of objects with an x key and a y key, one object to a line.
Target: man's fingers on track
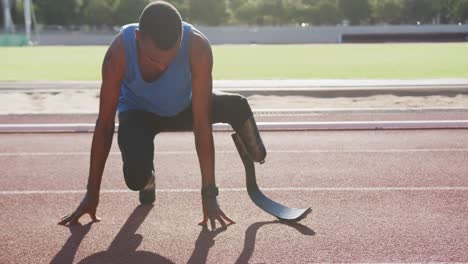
[
  {"x": 66, "y": 216},
  {"x": 203, "y": 222},
  {"x": 225, "y": 217},
  {"x": 213, "y": 224},
  {"x": 221, "y": 221},
  {"x": 64, "y": 220},
  {"x": 75, "y": 218},
  {"x": 95, "y": 218}
]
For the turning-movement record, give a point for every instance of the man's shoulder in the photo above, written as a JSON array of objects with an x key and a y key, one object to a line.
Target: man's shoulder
[
  {"x": 193, "y": 29},
  {"x": 187, "y": 24},
  {"x": 129, "y": 27},
  {"x": 197, "y": 38}
]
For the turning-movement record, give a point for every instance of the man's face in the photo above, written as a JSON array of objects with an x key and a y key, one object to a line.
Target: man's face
[{"x": 153, "y": 59}]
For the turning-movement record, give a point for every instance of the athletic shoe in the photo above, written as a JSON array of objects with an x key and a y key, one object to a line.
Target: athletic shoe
[{"x": 148, "y": 194}]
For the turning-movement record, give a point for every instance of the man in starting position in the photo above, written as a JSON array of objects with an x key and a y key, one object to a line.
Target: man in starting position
[{"x": 158, "y": 75}]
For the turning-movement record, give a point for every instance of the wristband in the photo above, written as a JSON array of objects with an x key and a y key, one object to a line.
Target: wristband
[{"x": 210, "y": 191}]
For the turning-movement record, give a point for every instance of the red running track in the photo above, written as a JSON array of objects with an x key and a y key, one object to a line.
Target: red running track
[{"x": 377, "y": 196}]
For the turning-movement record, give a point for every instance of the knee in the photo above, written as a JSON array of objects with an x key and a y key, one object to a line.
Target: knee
[
  {"x": 137, "y": 176},
  {"x": 242, "y": 111},
  {"x": 242, "y": 104}
]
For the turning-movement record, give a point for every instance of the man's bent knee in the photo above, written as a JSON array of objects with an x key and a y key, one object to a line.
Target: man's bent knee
[
  {"x": 237, "y": 110},
  {"x": 137, "y": 177}
]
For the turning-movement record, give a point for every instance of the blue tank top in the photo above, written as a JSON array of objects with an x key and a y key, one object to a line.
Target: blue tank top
[{"x": 170, "y": 93}]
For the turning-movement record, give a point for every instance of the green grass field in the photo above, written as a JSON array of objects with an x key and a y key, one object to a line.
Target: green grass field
[{"x": 348, "y": 61}]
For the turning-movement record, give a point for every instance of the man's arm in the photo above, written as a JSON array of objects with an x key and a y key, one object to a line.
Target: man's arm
[
  {"x": 201, "y": 59},
  {"x": 202, "y": 85},
  {"x": 113, "y": 72}
]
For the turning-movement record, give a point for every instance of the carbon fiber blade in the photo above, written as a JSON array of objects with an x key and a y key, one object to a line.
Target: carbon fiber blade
[{"x": 261, "y": 200}]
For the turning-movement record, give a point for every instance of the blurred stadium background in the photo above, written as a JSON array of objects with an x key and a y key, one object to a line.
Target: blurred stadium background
[{"x": 94, "y": 22}]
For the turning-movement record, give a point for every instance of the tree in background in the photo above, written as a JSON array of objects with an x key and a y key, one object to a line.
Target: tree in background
[
  {"x": 59, "y": 12},
  {"x": 128, "y": 11},
  {"x": 271, "y": 12},
  {"x": 387, "y": 11},
  {"x": 323, "y": 12},
  {"x": 294, "y": 11},
  {"x": 208, "y": 12},
  {"x": 265, "y": 12},
  {"x": 183, "y": 7},
  {"x": 326, "y": 13},
  {"x": 356, "y": 11},
  {"x": 252, "y": 12},
  {"x": 423, "y": 11},
  {"x": 233, "y": 7},
  {"x": 245, "y": 12},
  {"x": 99, "y": 12},
  {"x": 458, "y": 11},
  {"x": 16, "y": 11},
  {"x": 318, "y": 12},
  {"x": 1, "y": 19}
]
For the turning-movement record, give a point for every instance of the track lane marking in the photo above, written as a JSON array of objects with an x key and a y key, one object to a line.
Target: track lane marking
[
  {"x": 12, "y": 154},
  {"x": 262, "y": 126},
  {"x": 267, "y": 189}
]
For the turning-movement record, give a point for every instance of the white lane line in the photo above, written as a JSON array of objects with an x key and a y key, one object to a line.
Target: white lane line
[
  {"x": 271, "y": 189},
  {"x": 263, "y": 126},
  {"x": 13, "y": 154},
  {"x": 311, "y": 111}
]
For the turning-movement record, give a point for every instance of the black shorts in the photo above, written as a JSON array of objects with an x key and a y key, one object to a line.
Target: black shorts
[{"x": 137, "y": 130}]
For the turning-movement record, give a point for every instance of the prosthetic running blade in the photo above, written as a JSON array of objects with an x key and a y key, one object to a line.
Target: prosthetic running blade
[{"x": 278, "y": 210}]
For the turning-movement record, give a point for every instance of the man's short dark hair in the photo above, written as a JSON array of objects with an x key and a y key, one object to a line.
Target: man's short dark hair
[{"x": 162, "y": 23}]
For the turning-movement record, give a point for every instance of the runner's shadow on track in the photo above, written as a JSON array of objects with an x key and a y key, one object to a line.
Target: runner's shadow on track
[
  {"x": 251, "y": 235},
  {"x": 124, "y": 247},
  {"x": 122, "y": 250},
  {"x": 68, "y": 251},
  {"x": 205, "y": 241}
]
